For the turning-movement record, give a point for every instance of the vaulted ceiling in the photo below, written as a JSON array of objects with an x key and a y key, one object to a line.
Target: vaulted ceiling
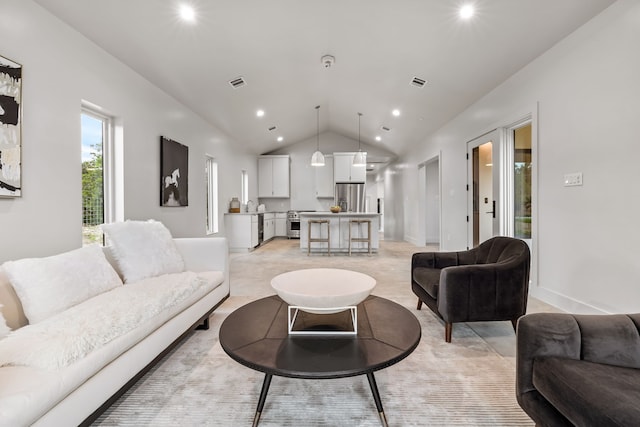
[{"x": 276, "y": 47}]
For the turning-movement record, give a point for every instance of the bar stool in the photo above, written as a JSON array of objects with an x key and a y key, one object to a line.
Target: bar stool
[
  {"x": 326, "y": 240},
  {"x": 367, "y": 239}
]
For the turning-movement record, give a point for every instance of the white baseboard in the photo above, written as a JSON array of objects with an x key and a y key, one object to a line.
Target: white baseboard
[
  {"x": 412, "y": 240},
  {"x": 563, "y": 302}
]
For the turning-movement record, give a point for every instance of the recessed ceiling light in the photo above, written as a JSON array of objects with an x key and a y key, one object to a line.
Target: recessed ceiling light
[
  {"x": 260, "y": 113},
  {"x": 187, "y": 13},
  {"x": 280, "y": 139},
  {"x": 396, "y": 112},
  {"x": 378, "y": 138},
  {"x": 466, "y": 11}
]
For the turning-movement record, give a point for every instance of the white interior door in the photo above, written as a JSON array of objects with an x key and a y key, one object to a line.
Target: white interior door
[{"x": 483, "y": 188}]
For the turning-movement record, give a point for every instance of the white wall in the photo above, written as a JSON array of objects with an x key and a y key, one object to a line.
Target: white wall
[
  {"x": 586, "y": 92},
  {"x": 60, "y": 69},
  {"x": 372, "y": 193}
]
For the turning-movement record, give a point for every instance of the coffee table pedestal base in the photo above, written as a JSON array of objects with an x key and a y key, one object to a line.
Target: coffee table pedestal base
[{"x": 292, "y": 315}]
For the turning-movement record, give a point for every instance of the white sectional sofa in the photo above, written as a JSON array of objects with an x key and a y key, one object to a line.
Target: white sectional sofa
[{"x": 71, "y": 364}]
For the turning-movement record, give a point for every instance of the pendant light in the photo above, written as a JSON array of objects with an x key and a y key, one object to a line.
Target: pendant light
[
  {"x": 318, "y": 158},
  {"x": 359, "y": 158}
]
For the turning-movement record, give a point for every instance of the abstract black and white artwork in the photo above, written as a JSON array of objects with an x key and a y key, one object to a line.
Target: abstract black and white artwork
[
  {"x": 174, "y": 170},
  {"x": 10, "y": 124}
]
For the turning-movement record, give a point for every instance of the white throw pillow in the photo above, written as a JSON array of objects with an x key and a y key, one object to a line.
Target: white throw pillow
[
  {"x": 4, "y": 329},
  {"x": 143, "y": 249},
  {"x": 48, "y": 286}
]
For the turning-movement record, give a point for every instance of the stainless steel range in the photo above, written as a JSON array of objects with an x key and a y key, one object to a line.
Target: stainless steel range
[{"x": 293, "y": 224}]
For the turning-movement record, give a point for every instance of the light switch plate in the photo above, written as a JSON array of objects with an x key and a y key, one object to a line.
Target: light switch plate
[{"x": 572, "y": 179}]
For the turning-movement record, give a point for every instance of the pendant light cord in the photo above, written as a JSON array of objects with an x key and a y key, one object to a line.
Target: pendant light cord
[
  {"x": 359, "y": 157},
  {"x": 317, "y": 128},
  {"x": 359, "y": 116}
]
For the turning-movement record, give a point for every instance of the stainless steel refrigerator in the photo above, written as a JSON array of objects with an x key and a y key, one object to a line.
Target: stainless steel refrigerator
[{"x": 350, "y": 196}]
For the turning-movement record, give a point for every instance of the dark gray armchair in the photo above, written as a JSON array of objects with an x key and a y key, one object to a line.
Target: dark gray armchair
[
  {"x": 579, "y": 370},
  {"x": 488, "y": 282}
]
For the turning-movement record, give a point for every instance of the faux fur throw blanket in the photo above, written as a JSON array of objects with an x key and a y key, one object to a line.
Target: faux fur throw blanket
[{"x": 74, "y": 333}]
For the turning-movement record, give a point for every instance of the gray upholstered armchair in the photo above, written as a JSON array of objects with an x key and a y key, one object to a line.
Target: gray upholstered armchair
[
  {"x": 488, "y": 282},
  {"x": 579, "y": 370}
]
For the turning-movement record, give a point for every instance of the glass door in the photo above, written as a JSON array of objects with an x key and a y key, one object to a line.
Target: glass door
[
  {"x": 522, "y": 182},
  {"x": 501, "y": 184}
]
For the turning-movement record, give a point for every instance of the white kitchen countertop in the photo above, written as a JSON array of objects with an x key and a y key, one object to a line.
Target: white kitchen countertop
[
  {"x": 329, "y": 213},
  {"x": 254, "y": 213}
]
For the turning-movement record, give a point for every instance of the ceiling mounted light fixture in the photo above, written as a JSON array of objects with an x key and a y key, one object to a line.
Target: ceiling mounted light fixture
[
  {"x": 359, "y": 158},
  {"x": 317, "y": 159}
]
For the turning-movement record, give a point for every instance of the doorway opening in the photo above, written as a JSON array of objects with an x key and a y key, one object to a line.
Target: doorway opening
[
  {"x": 483, "y": 188},
  {"x": 484, "y": 204},
  {"x": 429, "y": 206}
]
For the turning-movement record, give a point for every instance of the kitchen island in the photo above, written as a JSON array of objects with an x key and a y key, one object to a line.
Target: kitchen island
[{"x": 339, "y": 225}]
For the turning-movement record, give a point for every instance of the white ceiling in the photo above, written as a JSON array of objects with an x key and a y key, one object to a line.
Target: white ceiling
[{"x": 276, "y": 45}]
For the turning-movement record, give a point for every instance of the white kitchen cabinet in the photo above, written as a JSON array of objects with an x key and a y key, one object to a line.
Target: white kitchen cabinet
[
  {"x": 324, "y": 178},
  {"x": 281, "y": 224},
  {"x": 273, "y": 176},
  {"x": 345, "y": 171},
  {"x": 241, "y": 231},
  {"x": 269, "y": 226},
  {"x": 265, "y": 177}
]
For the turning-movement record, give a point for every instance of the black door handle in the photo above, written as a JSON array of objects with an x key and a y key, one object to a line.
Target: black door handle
[{"x": 493, "y": 212}]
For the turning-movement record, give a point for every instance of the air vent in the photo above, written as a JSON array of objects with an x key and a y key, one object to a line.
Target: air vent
[
  {"x": 237, "y": 82},
  {"x": 418, "y": 82},
  {"x": 272, "y": 128},
  {"x": 386, "y": 129}
]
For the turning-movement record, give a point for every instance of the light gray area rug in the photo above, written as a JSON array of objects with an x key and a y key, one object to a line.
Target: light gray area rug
[{"x": 470, "y": 382}]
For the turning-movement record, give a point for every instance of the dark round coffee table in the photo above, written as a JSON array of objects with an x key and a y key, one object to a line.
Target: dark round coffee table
[{"x": 256, "y": 336}]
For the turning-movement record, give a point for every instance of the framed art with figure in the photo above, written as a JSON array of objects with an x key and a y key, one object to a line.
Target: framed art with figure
[
  {"x": 10, "y": 128},
  {"x": 174, "y": 173}
]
